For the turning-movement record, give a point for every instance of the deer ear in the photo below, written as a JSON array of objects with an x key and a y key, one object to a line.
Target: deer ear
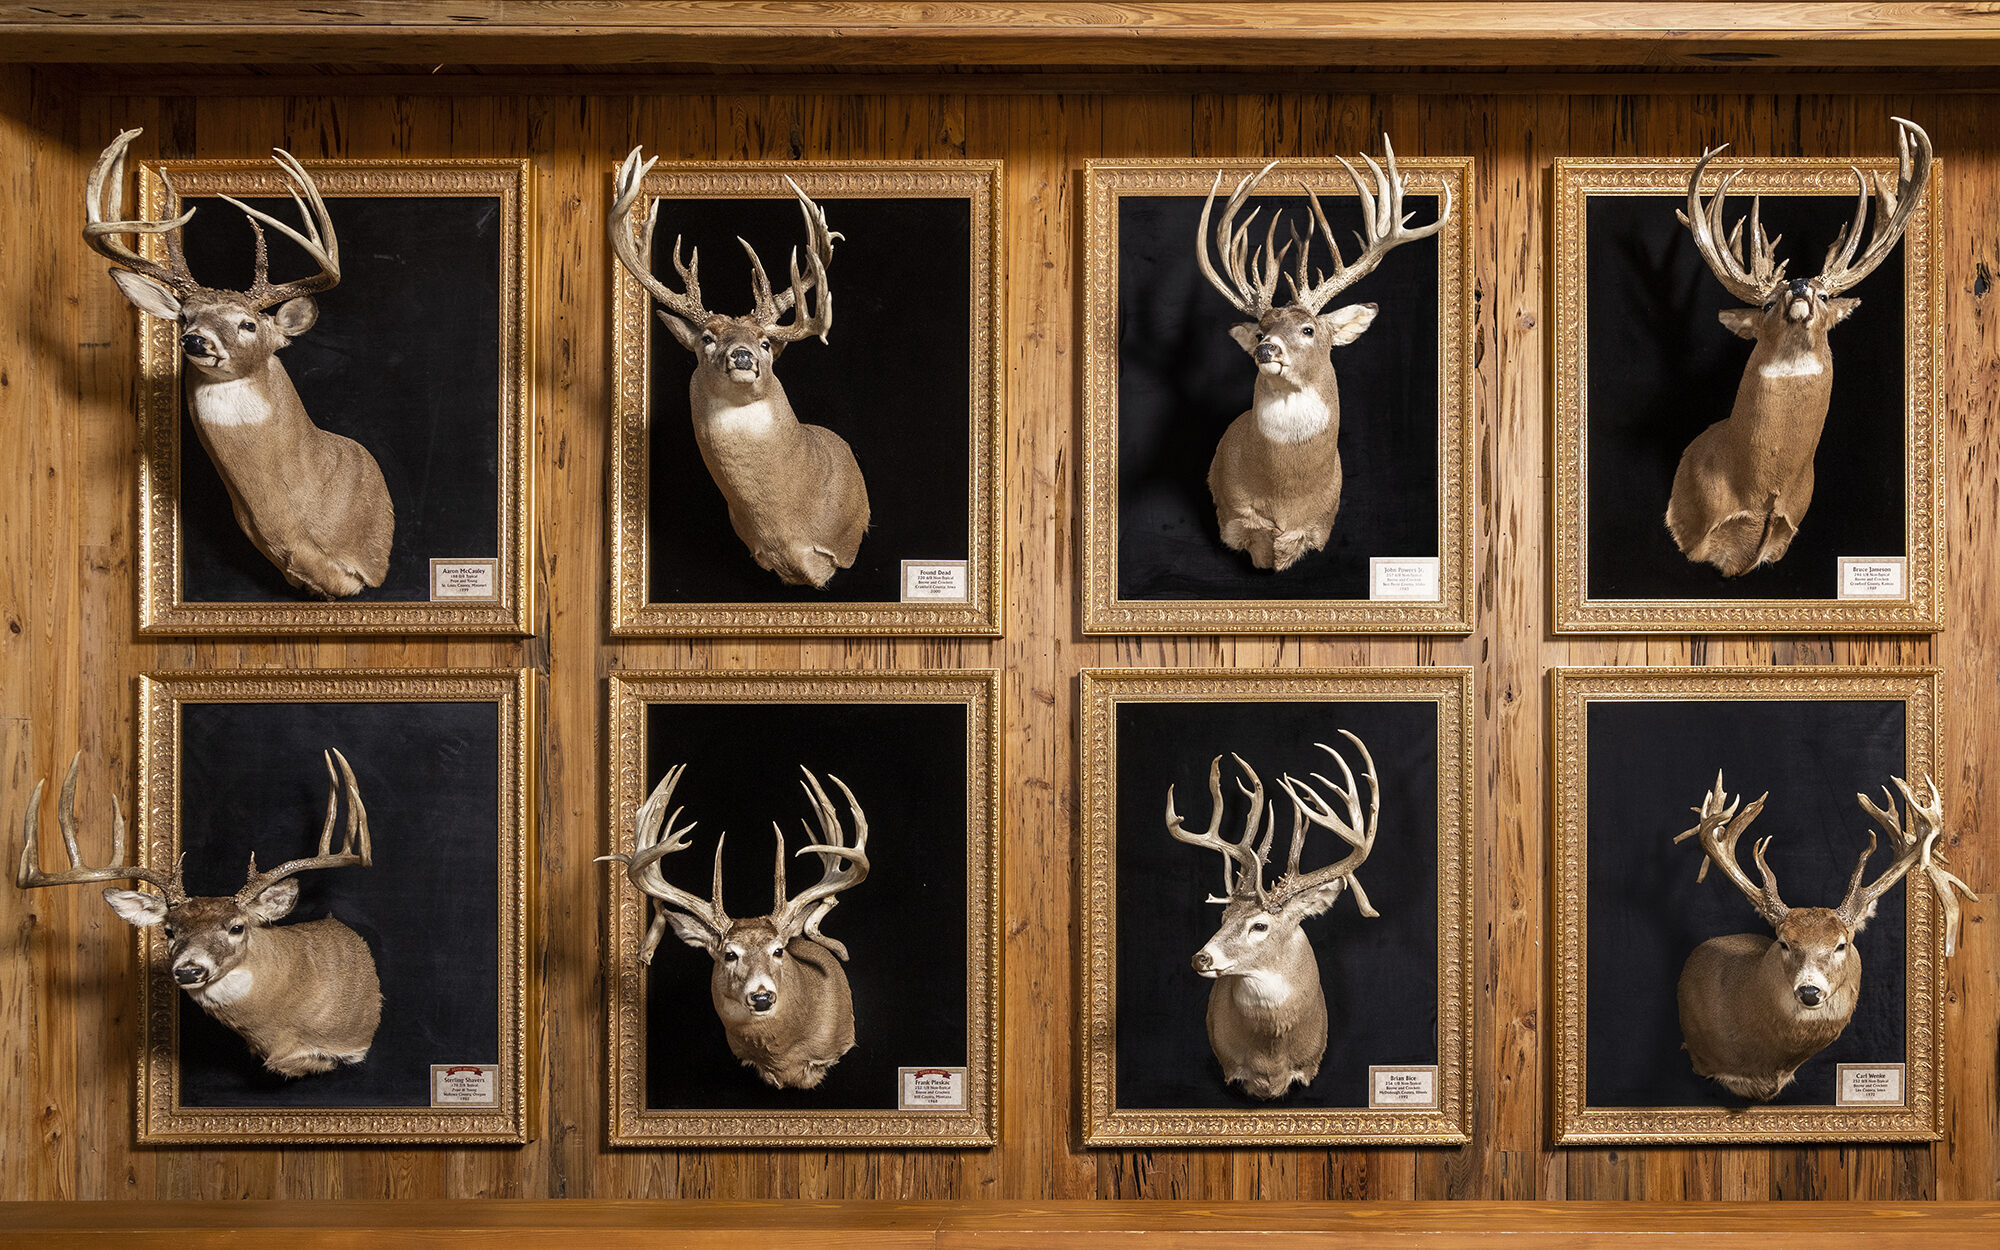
[
  {"x": 147, "y": 295},
  {"x": 1316, "y": 901},
  {"x": 1741, "y": 322},
  {"x": 138, "y": 908},
  {"x": 693, "y": 932},
  {"x": 296, "y": 316},
  {"x": 275, "y": 903},
  {"x": 684, "y": 333},
  {"x": 1842, "y": 309},
  {"x": 1245, "y": 334},
  {"x": 1344, "y": 325}
]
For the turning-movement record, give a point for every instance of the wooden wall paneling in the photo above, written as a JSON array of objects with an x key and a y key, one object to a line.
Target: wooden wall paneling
[{"x": 68, "y": 657}]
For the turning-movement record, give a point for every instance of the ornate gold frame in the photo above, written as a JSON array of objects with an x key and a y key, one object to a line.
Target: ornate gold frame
[
  {"x": 161, "y": 608},
  {"x": 1104, "y": 1123},
  {"x": 511, "y": 1121},
  {"x": 1572, "y": 690},
  {"x": 630, "y": 1122},
  {"x": 632, "y": 328},
  {"x": 1575, "y": 181},
  {"x": 1103, "y": 611}
]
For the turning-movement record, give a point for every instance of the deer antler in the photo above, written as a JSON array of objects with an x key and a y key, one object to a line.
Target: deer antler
[
  {"x": 636, "y": 252},
  {"x": 104, "y": 197},
  {"x": 1718, "y": 829},
  {"x": 819, "y": 254},
  {"x": 356, "y": 850},
  {"x": 1766, "y": 273},
  {"x": 843, "y": 866},
  {"x": 320, "y": 242},
  {"x": 1247, "y": 880},
  {"x": 28, "y": 874},
  {"x": 1385, "y": 224},
  {"x": 642, "y": 866},
  {"x": 1253, "y": 280},
  {"x": 1914, "y": 848},
  {"x": 1913, "y": 172},
  {"x": 1357, "y": 832}
]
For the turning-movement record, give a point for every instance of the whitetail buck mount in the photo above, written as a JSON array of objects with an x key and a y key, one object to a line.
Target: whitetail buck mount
[
  {"x": 1267, "y": 1020},
  {"x": 794, "y": 491},
  {"x": 1276, "y": 475},
  {"x": 776, "y": 983},
  {"x": 312, "y": 501},
  {"x": 1754, "y": 1008},
  {"x": 305, "y": 997},
  {"x": 1743, "y": 485}
]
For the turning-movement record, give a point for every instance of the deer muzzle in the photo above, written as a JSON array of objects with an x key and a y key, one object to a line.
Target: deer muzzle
[
  {"x": 190, "y": 974},
  {"x": 1204, "y": 963},
  {"x": 197, "y": 346},
  {"x": 763, "y": 1000},
  {"x": 741, "y": 360},
  {"x": 1270, "y": 356}
]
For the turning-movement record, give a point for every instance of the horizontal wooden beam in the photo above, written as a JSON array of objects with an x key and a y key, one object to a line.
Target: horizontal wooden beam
[
  {"x": 615, "y": 1225},
  {"x": 899, "y": 32}
]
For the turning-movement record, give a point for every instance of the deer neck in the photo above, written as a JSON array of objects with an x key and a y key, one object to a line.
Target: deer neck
[
  {"x": 252, "y": 427},
  {"x": 1298, "y": 410},
  {"x": 744, "y": 417},
  {"x": 1786, "y": 386},
  {"x": 1280, "y": 991}
]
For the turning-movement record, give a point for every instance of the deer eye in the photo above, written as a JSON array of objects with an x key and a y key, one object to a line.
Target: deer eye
[
  {"x": 729, "y": 957},
  {"x": 765, "y": 344},
  {"x": 707, "y": 339},
  {"x": 1260, "y": 927},
  {"x": 236, "y": 928},
  {"x": 1307, "y": 331},
  {"x": 1783, "y": 945},
  {"x": 1841, "y": 947},
  {"x": 246, "y": 325},
  {"x": 778, "y": 952},
  {"x": 168, "y": 930}
]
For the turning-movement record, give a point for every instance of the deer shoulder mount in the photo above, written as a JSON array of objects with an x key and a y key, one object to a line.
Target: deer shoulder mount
[
  {"x": 1266, "y": 1012},
  {"x": 304, "y": 996},
  {"x": 1755, "y": 1007},
  {"x": 777, "y": 983},
  {"x": 795, "y": 493},
  {"x": 1744, "y": 483},
  {"x": 313, "y": 502},
  {"x": 1276, "y": 474}
]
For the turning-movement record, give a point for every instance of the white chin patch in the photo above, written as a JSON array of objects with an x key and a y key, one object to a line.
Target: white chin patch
[
  {"x": 229, "y": 989},
  {"x": 1800, "y": 310},
  {"x": 1272, "y": 367}
]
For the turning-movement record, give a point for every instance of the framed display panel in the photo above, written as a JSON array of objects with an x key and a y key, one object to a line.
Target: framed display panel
[
  {"x": 920, "y": 754},
  {"x": 1629, "y": 909},
  {"x": 1633, "y": 293},
  {"x": 909, "y": 377},
  {"x": 1398, "y": 987},
  {"x": 232, "y": 765},
  {"x": 1163, "y": 380},
  {"x": 420, "y": 354}
]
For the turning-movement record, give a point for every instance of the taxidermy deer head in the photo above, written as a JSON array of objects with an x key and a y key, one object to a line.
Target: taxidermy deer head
[
  {"x": 1744, "y": 483},
  {"x": 304, "y": 996},
  {"x": 311, "y": 501},
  {"x": 1754, "y": 1008},
  {"x": 1267, "y": 1014},
  {"x": 795, "y": 494},
  {"x": 1276, "y": 474},
  {"x": 777, "y": 983}
]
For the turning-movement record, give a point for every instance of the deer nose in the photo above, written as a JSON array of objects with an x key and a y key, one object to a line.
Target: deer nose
[
  {"x": 1267, "y": 351},
  {"x": 190, "y": 974},
  {"x": 762, "y": 1000},
  {"x": 740, "y": 358},
  {"x": 194, "y": 345},
  {"x": 1203, "y": 961},
  {"x": 1809, "y": 995}
]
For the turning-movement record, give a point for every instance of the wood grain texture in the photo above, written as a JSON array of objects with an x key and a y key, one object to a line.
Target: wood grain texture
[{"x": 68, "y": 655}]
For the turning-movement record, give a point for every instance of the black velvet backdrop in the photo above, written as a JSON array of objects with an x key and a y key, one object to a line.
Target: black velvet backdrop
[
  {"x": 1379, "y": 976},
  {"x": 252, "y": 778},
  {"x": 1182, "y": 380},
  {"x": 904, "y": 927},
  {"x": 404, "y": 359},
  {"x": 1662, "y": 369},
  {"x": 891, "y": 379},
  {"x": 1652, "y": 762}
]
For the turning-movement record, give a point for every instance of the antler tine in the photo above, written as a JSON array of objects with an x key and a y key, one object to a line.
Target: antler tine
[
  {"x": 104, "y": 195},
  {"x": 357, "y": 849},
  {"x": 819, "y": 254},
  {"x": 844, "y": 866},
  {"x": 28, "y": 874},
  {"x": 1915, "y": 847},
  {"x": 1385, "y": 225},
  {"x": 1719, "y": 828},
  {"x": 1246, "y": 860},
  {"x": 1243, "y": 294},
  {"x": 656, "y": 834},
  {"x": 636, "y": 254},
  {"x": 1357, "y": 831},
  {"x": 320, "y": 241},
  {"x": 1913, "y": 173},
  {"x": 1704, "y": 223}
]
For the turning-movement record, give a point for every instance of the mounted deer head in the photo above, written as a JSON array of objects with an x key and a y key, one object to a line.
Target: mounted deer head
[
  {"x": 1276, "y": 474},
  {"x": 304, "y": 996},
  {"x": 1267, "y": 1013},
  {"x": 1744, "y": 483},
  {"x": 777, "y": 983},
  {"x": 1754, "y": 1008},
  {"x": 795, "y": 493},
  {"x": 314, "y": 503}
]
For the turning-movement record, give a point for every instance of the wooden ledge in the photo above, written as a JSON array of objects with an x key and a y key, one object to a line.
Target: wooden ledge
[
  {"x": 1003, "y": 1226},
  {"x": 1812, "y": 33}
]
